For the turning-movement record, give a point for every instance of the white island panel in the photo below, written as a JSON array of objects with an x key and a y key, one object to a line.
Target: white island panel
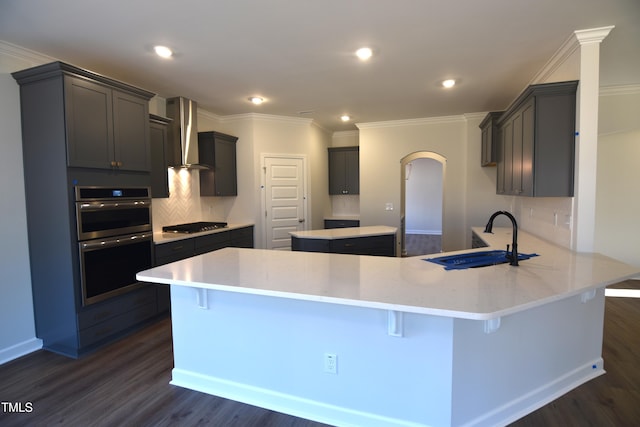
[{"x": 269, "y": 352}]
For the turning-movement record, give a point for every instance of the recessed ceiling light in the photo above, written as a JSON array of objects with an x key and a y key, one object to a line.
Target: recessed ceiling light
[
  {"x": 345, "y": 117},
  {"x": 256, "y": 100},
  {"x": 364, "y": 53},
  {"x": 448, "y": 83},
  {"x": 163, "y": 51}
]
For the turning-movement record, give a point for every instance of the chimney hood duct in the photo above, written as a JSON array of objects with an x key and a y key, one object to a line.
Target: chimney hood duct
[{"x": 183, "y": 133}]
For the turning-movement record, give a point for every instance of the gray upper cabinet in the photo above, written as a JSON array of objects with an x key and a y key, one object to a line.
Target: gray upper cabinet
[
  {"x": 218, "y": 152},
  {"x": 490, "y": 138},
  {"x": 536, "y": 150},
  {"x": 158, "y": 134},
  {"x": 106, "y": 121},
  {"x": 344, "y": 170}
]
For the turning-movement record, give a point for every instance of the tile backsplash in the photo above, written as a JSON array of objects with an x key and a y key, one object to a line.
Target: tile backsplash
[
  {"x": 184, "y": 204},
  {"x": 550, "y": 218},
  {"x": 347, "y": 205}
]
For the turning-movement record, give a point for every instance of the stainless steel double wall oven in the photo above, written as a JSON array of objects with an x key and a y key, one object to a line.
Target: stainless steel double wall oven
[{"x": 115, "y": 239}]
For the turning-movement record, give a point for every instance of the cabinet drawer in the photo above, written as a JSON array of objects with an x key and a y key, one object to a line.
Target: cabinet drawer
[
  {"x": 101, "y": 312},
  {"x": 374, "y": 245},
  {"x": 341, "y": 223},
  {"x": 174, "y": 251},
  {"x": 120, "y": 323},
  {"x": 212, "y": 242},
  {"x": 310, "y": 245},
  {"x": 242, "y": 237}
]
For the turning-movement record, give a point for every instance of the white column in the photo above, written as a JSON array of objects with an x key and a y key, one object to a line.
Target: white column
[{"x": 587, "y": 139}]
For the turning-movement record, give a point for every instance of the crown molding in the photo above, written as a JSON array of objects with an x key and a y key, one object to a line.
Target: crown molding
[
  {"x": 412, "y": 122},
  {"x": 266, "y": 118},
  {"x": 562, "y": 55},
  {"x": 568, "y": 48},
  {"x": 593, "y": 35},
  {"x": 620, "y": 90},
  {"x": 19, "y": 57},
  {"x": 346, "y": 133}
]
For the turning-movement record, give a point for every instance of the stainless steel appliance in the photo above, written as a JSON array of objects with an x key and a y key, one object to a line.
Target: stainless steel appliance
[
  {"x": 193, "y": 227},
  {"x": 115, "y": 239}
]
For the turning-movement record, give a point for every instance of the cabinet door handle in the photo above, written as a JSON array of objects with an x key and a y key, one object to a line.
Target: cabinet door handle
[
  {"x": 177, "y": 248},
  {"x": 119, "y": 164},
  {"x": 113, "y": 163}
]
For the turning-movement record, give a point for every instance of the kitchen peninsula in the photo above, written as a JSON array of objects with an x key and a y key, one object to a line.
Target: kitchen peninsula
[{"x": 359, "y": 340}]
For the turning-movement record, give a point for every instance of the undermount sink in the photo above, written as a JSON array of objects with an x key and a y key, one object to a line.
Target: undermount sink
[{"x": 475, "y": 259}]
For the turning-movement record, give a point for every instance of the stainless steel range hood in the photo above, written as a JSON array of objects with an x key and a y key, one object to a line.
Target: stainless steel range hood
[{"x": 183, "y": 133}]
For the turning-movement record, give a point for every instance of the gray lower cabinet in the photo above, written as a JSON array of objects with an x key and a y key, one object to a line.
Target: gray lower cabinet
[
  {"x": 341, "y": 223},
  {"x": 192, "y": 246},
  {"x": 158, "y": 134},
  {"x": 344, "y": 170},
  {"x": 384, "y": 245},
  {"x": 536, "y": 152},
  {"x": 197, "y": 245},
  {"x": 100, "y": 321},
  {"x": 477, "y": 242}
]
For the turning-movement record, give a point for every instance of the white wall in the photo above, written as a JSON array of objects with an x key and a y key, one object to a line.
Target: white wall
[
  {"x": 617, "y": 231},
  {"x": 383, "y": 145},
  {"x": 423, "y": 197},
  {"x": 17, "y": 334}
]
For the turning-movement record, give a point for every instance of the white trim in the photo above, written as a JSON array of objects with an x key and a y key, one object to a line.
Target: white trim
[
  {"x": 283, "y": 402},
  {"x": 267, "y": 117},
  {"x": 32, "y": 58},
  {"x": 619, "y": 90},
  {"x": 18, "y": 350},
  {"x": 412, "y": 122},
  {"x": 424, "y": 232},
  {"x": 346, "y": 133},
  {"x": 566, "y": 50},
  {"x": 622, "y": 293},
  {"x": 593, "y": 35}
]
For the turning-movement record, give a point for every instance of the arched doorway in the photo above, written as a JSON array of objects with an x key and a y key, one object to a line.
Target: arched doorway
[{"x": 422, "y": 203}]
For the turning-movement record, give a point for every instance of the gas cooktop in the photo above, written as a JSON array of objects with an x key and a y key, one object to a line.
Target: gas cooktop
[{"x": 193, "y": 227}]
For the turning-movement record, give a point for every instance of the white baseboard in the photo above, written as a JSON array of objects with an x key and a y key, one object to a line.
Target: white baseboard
[
  {"x": 18, "y": 350},
  {"x": 429, "y": 232},
  {"x": 536, "y": 399},
  {"x": 282, "y": 402}
]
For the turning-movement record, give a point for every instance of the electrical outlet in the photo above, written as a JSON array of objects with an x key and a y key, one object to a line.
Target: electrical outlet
[
  {"x": 331, "y": 363},
  {"x": 388, "y": 206}
]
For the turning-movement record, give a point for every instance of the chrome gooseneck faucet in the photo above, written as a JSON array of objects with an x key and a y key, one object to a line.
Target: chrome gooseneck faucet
[{"x": 513, "y": 257}]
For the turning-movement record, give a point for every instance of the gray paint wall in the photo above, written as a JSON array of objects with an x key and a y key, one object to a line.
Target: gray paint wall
[{"x": 17, "y": 334}]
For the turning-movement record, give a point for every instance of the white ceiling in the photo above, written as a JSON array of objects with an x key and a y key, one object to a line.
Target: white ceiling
[{"x": 298, "y": 54}]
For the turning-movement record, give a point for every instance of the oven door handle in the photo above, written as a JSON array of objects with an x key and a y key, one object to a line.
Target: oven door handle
[
  {"x": 115, "y": 241},
  {"x": 95, "y": 206}
]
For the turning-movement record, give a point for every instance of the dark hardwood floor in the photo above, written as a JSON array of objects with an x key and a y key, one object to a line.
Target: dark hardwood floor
[{"x": 127, "y": 384}]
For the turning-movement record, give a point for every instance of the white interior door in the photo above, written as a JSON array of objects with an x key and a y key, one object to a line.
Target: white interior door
[{"x": 284, "y": 200}]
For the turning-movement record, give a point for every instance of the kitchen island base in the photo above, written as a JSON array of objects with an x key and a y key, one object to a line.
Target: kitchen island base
[{"x": 393, "y": 368}]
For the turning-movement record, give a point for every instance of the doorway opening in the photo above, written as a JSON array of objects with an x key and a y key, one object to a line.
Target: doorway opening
[{"x": 422, "y": 203}]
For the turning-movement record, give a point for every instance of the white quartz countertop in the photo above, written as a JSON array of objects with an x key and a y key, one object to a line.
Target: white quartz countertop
[
  {"x": 161, "y": 237},
  {"x": 345, "y": 233},
  {"x": 402, "y": 284}
]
